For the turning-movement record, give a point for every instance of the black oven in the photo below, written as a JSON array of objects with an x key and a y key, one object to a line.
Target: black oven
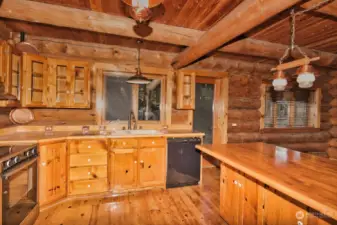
[{"x": 19, "y": 187}]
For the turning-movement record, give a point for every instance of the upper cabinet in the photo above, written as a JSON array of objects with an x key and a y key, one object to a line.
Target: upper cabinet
[
  {"x": 55, "y": 83},
  {"x": 185, "y": 90}
]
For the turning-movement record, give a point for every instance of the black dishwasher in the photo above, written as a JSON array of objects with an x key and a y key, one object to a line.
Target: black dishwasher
[{"x": 183, "y": 162}]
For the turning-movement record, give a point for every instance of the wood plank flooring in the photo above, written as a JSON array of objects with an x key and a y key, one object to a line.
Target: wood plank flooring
[{"x": 187, "y": 205}]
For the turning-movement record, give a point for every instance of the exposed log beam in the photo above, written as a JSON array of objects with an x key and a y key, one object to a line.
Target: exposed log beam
[
  {"x": 240, "y": 20},
  {"x": 328, "y": 9},
  {"x": 103, "y": 23}
]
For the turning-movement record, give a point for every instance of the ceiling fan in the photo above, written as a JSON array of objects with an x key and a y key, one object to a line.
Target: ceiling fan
[{"x": 143, "y": 11}]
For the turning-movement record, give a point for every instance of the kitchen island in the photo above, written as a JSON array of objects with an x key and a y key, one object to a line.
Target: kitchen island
[{"x": 266, "y": 184}]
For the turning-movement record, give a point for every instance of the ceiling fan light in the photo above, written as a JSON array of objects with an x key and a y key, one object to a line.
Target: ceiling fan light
[
  {"x": 140, "y": 3},
  {"x": 138, "y": 79}
]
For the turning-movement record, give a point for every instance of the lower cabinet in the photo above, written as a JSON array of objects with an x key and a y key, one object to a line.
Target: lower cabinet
[
  {"x": 52, "y": 172},
  {"x": 238, "y": 198},
  {"x": 124, "y": 164},
  {"x": 138, "y": 163},
  {"x": 245, "y": 201}
]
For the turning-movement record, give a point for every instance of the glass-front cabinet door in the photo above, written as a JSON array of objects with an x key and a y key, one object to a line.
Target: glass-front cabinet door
[
  {"x": 35, "y": 78},
  {"x": 59, "y": 82},
  {"x": 80, "y": 85}
]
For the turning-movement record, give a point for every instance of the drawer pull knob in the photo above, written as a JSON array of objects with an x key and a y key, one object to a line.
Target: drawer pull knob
[
  {"x": 89, "y": 173},
  {"x": 126, "y": 171},
  {"x": 89, "y": 146},
  {"x": 153, "y": 142},
  {"x": 89, "y": 185},
  {"x": 89, "y": 160},
  {"x": 149, "y": 166}
]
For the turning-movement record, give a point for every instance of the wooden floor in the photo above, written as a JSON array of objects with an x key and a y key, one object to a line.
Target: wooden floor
[{"x": 187, "y": 205}]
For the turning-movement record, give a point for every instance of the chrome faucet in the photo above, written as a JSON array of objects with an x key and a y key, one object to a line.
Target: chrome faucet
[{"x": 132, "y": 123}]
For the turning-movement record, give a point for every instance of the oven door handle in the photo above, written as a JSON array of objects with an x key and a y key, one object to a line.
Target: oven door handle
[{"x": 24, "y": 165}]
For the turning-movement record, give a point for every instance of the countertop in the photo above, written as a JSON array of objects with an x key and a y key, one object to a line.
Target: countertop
[
  {"x": 42, "y": 137},
  {"x": 308, "y": 179}
]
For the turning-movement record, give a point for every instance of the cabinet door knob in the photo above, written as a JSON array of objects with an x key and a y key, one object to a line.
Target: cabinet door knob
[
  {"x": 235, "y": 182},
  {"x": 89, "y": 160},
  {"x": 89, "y": 173},
  {"x": 126, "y": 171},
  {"x": 89, "y": 185},
  {"x": 239, "y": 184},
  {"x": 43, "y": 164},
  {"x": 89, "y": 146},
  {"x": 153, "y": 142}
]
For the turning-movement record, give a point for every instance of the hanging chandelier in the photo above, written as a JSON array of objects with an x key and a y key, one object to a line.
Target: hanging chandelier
[
  {"x": 138, "y": 78},
  {"x": 305, "y": 73}
]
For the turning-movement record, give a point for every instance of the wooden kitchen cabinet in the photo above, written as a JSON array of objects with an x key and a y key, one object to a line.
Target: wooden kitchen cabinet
[
  {"x": 5, "y": 65},
  {"x": 137, "y": 163},
  {"x": 52, "y": 172},
  {"x": 69, "y": 81},
  {"x": 185, "y": 90},
  {"x": 279, "y": 209},
  {"x": 151, "y": 166},
  {"x": 238, "y": 198},
  {"x": 123, "y": 169},
  {"x": 88, "y": 165},
  {"x": 35, "y": 81}
]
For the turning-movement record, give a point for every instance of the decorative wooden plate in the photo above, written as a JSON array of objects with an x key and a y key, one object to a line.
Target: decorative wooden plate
[{"x": 21, "y": 116}]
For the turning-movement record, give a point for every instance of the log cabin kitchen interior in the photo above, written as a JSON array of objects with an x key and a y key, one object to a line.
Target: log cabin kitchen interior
[{"x": 154, "y": 112}]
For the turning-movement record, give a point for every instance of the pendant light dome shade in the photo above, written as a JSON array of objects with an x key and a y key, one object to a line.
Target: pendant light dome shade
[
  {"x": 280, "y": 82},
  {"x": 306, "y": 77},
  {"x": 138, "y": 79},
  {"x": 143, "y": 3}
]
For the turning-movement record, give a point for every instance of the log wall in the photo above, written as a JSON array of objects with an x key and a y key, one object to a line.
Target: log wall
[
  {"x": 333, "y": 115},
  {"x": 244, "y": 115}
]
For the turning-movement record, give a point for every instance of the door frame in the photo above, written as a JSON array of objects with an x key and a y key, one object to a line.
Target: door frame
[{"x": 220, "y": 107}]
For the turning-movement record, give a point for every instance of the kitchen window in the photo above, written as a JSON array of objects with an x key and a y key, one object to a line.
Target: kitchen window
[
  {"x": 145, "y": 101},
  {"x": 293, "y": 109}
]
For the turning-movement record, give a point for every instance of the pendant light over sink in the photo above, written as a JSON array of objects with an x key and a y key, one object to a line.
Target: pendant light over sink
[{"x": 138, "y": 78}]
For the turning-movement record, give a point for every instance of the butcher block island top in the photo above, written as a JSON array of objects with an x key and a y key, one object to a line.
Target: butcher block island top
[{"x": 309, "y": 179}]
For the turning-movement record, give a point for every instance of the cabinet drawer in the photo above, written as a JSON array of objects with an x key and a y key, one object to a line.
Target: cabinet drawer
[
  {"x": 124, "y": 143},
  {"x": 88, "y": 159},
  {"x": 88, "y": 172},
  {"x": 88, "y": 186},
  {"x": 152, "y": 142},
  {"x": 88, "y": 146}
]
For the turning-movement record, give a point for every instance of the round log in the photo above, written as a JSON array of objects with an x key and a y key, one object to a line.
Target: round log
[
  {"x": 333, "y": 121},
  {"x": 325, "y": 107},
  {"x": 332, "y": 152},
  {"x": 333, "y": 131},
  {"x": 333, "y": 142},
  {"x": 326, "y": 126},
  {"x": 333, "y": 103},
  {"x": 243, "y": 137},
  {"x": 322, "y": 136},
  {"x": 333, "y": 112},
  {"x": 333, "y": 91},
  {"x": 248, "y": 127},
  {"x": 244, "y": 103},
  {"x": 244, "y": 115},
  {"x": 325, "y": 117}
]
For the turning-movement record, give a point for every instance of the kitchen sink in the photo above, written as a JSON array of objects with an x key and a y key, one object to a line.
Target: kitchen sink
[{"x": 136, "y": 132}]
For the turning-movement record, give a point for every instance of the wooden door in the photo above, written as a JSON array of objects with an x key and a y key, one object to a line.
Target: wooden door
[
  {"x": 35, "y": 81},
  {"x": 59, "y": 83},
  {"x": 46, "y": 174},
  {"x": 59, "y": 170},
  {"x": 124, "y": 169},
  {"x": 151, "y": 166},
  {"x": 278, "y": 209},
  {"x": 80, "y": 85}
]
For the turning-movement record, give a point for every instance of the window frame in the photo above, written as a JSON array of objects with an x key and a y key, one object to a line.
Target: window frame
[
  {"x": 314, "y": 111},
  {"x": 135, "y": 91}
]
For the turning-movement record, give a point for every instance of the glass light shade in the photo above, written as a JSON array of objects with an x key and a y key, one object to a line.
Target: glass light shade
[
  {"x": 280, "y": 84},
  {"x": 140, "y": 3},
  {"x": 306, "y": 79}
]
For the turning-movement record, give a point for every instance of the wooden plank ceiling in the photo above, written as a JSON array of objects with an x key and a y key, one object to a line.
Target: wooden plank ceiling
[{"x": 316, "y": 30}]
